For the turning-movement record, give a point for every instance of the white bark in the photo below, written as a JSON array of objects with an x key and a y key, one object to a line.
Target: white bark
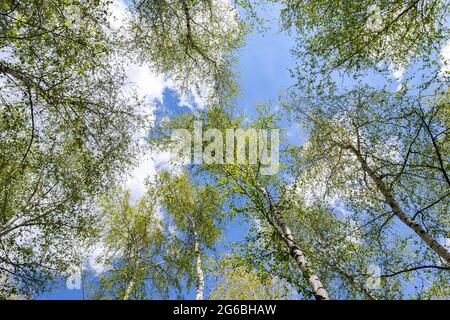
[
  {"x": 417, "y": 228},
  {"x": 128, "y": 291},
  {"x": 313, "y": 280},
  {"x": 199, "y": 277},
  {"x": 200, "y": 281},
  {"x": 135, "y": 258}
]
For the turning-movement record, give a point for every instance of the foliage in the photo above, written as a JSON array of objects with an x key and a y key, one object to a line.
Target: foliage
[
  {"x": 66, "y": 128},
  {"x": 135, "y": 255},
  {"x": 351, "y": 35},
  {"x": 190, "y": 41},
  {"x": 235, "y": 281}
]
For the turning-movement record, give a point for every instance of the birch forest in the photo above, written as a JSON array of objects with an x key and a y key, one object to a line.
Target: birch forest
[{"x": 347, "y": 196}]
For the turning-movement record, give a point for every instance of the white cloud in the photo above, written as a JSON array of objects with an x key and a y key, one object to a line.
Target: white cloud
[
  {"x": 147, "y": 168},
  {"x": 400, "y": 87},
  {"x": 150, "y": 164},
  {"x": 445, "y": 60},
  {"x": 172, "y": 230},
  {"x": 119, "y": 14},
  {"x": 150, "y": 87},
  {"x": 397, "y": 72},
  {"x": 355, "y": 235},
  {"x": 95, "y": 258},
  {"x": 148, "y": 84},
  {"x": 192, "y": 99}
]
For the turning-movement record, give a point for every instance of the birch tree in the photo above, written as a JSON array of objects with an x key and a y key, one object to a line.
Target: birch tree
[
  {"x": 376, "y": 153},
  {"x": 66, "y": 133},
  {"x": 192, "y": 42},
  {"x": 237, "y": 281},
  {"x": 245, "y": 180},
  {"x": 195, "y": 213},
  {"x": 381, "y": 151},
  {"x": 361, "y": 34},
  {"x": 302, "y": 236},
  {"x": 68, "y": 116},
  {"x": 134, "y": 255}
]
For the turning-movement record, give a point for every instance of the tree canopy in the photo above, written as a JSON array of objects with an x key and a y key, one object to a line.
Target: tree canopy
[{"x": 358, "y": 211}]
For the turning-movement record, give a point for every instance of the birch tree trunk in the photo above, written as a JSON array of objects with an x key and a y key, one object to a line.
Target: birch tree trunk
[
  {"x": 313, "y": 280},
  {"x": 129, "y": 289},
  {"x": 199, "y": 277},
  {"x": 130, "y": 285},
  {"x": 383, "y": 189},
  {"x": 200, "y": 281}
]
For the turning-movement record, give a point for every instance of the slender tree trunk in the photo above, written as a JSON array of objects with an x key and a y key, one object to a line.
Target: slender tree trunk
[
  {"x": 132, "y": 283},
  {"x": 129, "y": 289},
  {"x": 417, "y": 228},
  {"x": 313, "y": 280},
  {"x": 199, "y": 277},
  {"x": 200, "y": 281},
  {"x": 130, "y": 286}
]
